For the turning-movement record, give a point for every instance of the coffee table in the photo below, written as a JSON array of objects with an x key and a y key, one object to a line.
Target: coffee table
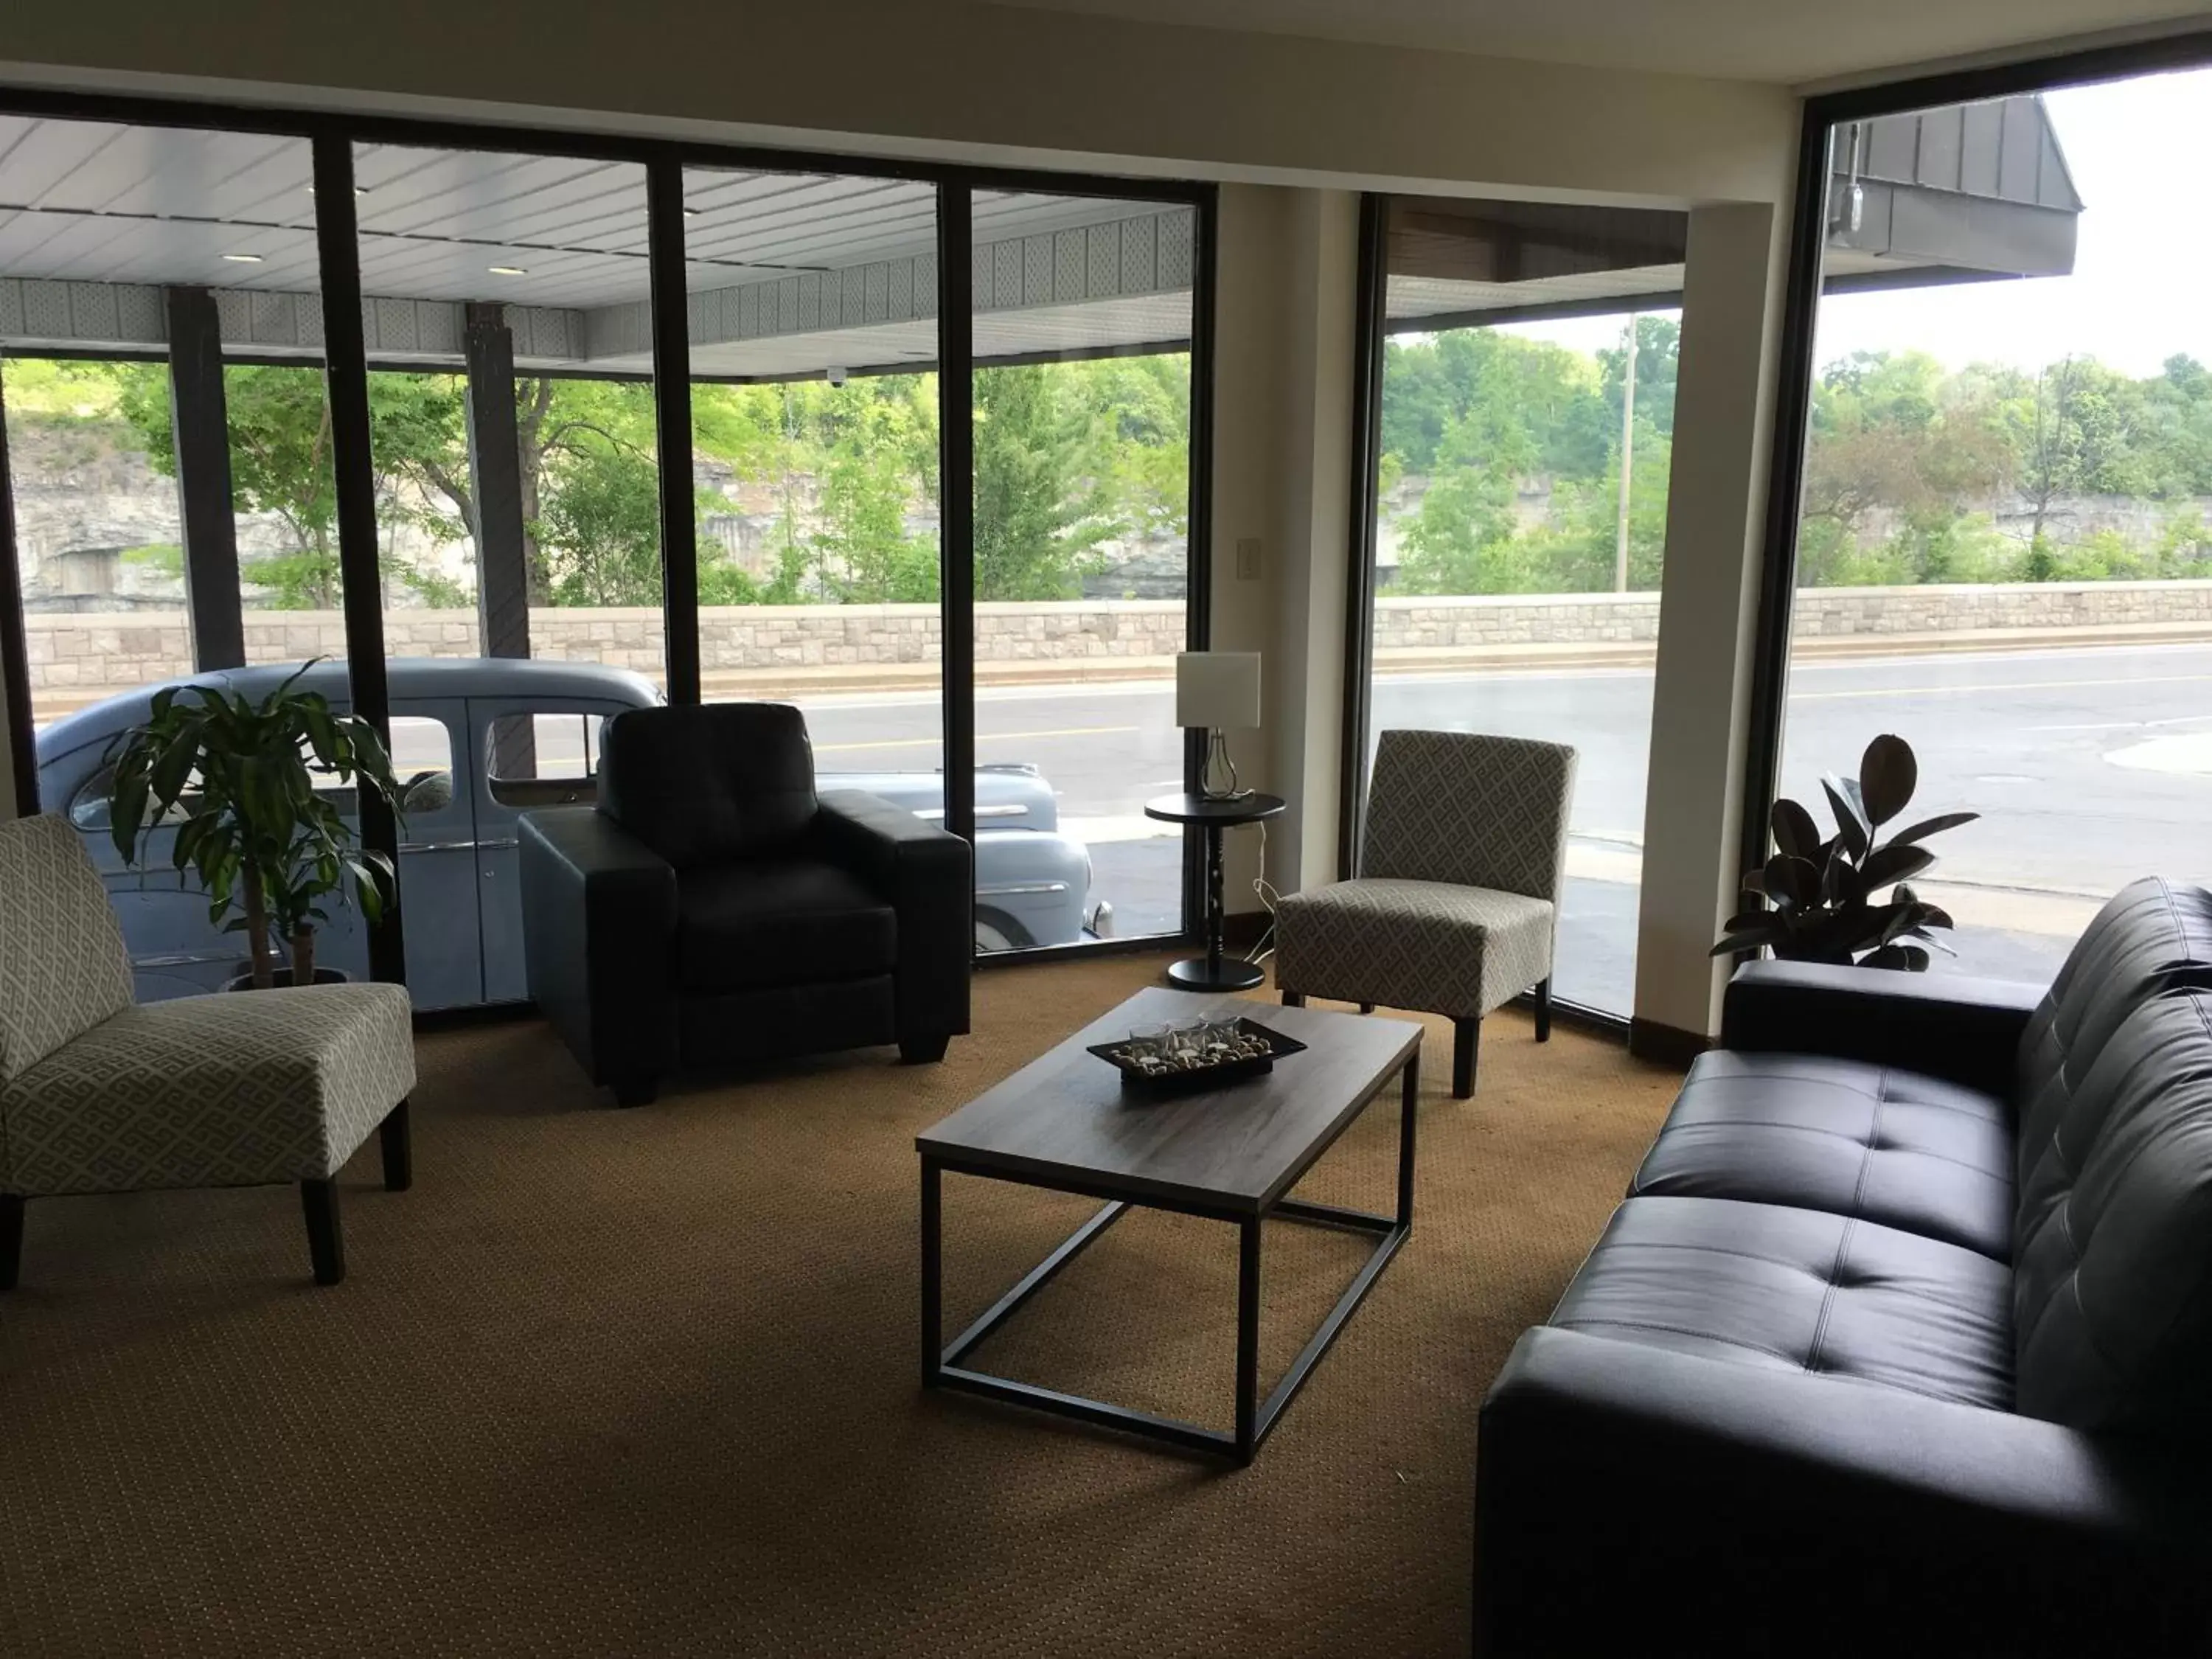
[{"x": 1064, "y": 1121}]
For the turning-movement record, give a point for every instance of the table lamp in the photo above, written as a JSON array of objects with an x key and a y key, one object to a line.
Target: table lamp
[{"x": 1218, "y": 691}]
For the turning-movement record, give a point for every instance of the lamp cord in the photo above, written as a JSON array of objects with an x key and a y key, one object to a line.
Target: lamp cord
[{"x": 1268, "y": 899}]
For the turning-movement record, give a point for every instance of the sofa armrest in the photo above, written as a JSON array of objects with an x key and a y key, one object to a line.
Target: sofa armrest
[
  {"x": 598, "y": 910},
  {"x": 1949, "y": 1025},
  {"x": 928, "y": 875},
  {"x": 1623, "y": 1491}
]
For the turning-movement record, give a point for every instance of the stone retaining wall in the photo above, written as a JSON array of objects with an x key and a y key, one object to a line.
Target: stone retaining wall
[{"x": 78, "y": 652}]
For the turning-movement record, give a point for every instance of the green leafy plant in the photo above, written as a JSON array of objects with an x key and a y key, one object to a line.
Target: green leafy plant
[
  {"x": 1824, "y": 895},
  {"x": 236, "y": 779}
]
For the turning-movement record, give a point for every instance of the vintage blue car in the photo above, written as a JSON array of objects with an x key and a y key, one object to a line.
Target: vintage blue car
[{"x": 459, "y": 727}]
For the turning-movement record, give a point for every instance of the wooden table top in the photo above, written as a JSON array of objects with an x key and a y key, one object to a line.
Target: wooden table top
[{"x": 1065, "y": 1117}]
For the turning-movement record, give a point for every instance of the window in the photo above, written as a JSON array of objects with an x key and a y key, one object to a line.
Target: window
[
  {"x": 1525, "y": 431},
  {"x": 543, "y": 760},
  {"x": 2002, "y": 547}
]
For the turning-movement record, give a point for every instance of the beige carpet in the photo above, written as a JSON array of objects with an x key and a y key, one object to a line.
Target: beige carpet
[{"x": 645, "y": 1381}]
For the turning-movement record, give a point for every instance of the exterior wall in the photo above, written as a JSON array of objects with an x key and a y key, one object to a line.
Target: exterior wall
[{"x": 110, "y": 650}]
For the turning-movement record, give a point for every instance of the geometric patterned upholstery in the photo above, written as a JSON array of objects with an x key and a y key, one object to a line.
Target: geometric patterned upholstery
[
  {"x": 233, "y": 1089},
  {"x": 1456, "y": 908},
  {"x": 1455, "y": 951},
  {"x": 62, "y": 965},
  {"x": 1469, "y": 809}
]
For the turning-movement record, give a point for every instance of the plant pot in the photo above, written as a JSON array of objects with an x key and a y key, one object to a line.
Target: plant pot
[{"x": 280, "y": 977}]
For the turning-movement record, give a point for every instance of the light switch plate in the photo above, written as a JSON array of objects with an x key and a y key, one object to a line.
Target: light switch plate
[{"x": 1248, "y": 558}]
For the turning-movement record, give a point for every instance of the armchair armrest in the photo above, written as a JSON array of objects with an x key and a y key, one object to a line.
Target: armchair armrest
[
  {"x": 1949, "y": 1025},
  {"x": 928, "y": 874},
  {"x": 599, "y": 909},
  {"x": 1623, "y": 1491}
]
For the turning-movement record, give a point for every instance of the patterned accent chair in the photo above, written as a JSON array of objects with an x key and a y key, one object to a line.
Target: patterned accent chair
[
  {"x": 100, "y": 1096},
  {"x": 1456, "y": 905}
]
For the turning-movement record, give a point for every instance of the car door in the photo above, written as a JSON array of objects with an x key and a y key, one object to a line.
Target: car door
[
  {"x": 525, "y": 753},
  {"x": 437, "y": 853}
]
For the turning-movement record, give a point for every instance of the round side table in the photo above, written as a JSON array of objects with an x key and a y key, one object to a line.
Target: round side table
[{"x": 1212, "y": 972}]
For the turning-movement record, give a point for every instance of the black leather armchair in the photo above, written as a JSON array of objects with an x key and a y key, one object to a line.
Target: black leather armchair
[{"x": 712, "y": 908}]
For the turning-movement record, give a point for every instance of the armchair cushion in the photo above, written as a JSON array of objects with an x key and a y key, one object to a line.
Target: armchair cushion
[
  {"x": 235, "y": 1088},
  {"x": 778, "y": 921},
  {"x": 1425, "y": 944},
  {"x": 709, "y": 782},
  {"x": 1894, "y": 1147},
  {"x": 62, "y": 965}
]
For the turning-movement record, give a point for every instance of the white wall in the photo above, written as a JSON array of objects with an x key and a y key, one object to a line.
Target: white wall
[{"x": 1716, "y": 524}]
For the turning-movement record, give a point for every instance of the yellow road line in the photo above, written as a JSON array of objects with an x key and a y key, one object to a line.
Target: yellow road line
[
  {"x": 982, "y": 737},
  {"x": 2024, "y": 685}
]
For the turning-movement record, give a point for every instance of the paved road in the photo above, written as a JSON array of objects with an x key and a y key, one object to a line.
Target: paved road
[{"x": 2088, "y": 765}]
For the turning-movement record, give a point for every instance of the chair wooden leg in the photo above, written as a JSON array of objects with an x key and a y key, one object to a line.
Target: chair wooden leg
[
  {"x": 1294, "y": 999},
  {"x": 11, "y": 1239},
  {"x": 1466, "y": 1035},
  {"x": 326, "y": 1243},
  {"x": 396, "y": 1142},
  {"x": 1544, "y": 1009}
]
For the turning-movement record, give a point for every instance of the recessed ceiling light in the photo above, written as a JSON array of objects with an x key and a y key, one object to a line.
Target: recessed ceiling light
[
  {"x": 507, "y": 271},
  {"x": 243, "y": 258}
]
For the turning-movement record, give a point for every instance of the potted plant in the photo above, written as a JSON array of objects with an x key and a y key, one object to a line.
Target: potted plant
[
  {"x": 236, "y": 779},
  {"x": 1824, "y": 895}
]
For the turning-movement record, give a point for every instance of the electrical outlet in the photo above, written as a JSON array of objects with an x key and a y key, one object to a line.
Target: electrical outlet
[{"x": 1248, "y": 558}]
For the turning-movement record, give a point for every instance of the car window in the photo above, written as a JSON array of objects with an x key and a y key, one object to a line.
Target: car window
[
  {"x": 421, "y": 761},
  {"x": 88, "y": 809},
  {"x": 545, "y": 759}
]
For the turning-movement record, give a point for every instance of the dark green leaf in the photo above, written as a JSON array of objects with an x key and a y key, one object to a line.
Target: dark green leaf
[
  {"x": 1895, "y": 863},
  {"x": 1928, "y": 827},
  {"x": 1795, "y": 832},
  {"x": 1852, "y": 829},
  {"x": 1888, "y": 773}
]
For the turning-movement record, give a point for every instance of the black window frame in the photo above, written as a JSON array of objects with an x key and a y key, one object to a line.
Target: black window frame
[
  {"x": 1793, "y": 407},
  {"x": 333, "y": 137}
]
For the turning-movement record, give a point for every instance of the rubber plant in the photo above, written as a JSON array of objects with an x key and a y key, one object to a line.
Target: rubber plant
[
  {"x": 1823, "y": 896},
  {"x": 237, "y": 780}
]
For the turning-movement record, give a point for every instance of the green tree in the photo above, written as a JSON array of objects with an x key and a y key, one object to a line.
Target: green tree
[{"x": 1037, "y": 516}]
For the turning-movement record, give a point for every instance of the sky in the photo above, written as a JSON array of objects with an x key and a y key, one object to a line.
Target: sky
[{"x": 2140, "y": 154}]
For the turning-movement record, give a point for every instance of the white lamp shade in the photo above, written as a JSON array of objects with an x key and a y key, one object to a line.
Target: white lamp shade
[{"x": 1218, "y": 689}]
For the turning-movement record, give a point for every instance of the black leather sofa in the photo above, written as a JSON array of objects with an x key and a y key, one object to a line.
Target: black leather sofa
[
  {"x": 712, "y": 908},
  {"x": 1902, "y": 1341}
]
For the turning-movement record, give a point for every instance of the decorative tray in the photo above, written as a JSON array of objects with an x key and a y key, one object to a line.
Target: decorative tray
[{"x": 1204, "y": 1056}]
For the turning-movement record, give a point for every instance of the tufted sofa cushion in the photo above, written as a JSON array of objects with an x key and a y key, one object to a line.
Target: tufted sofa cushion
[
  {"x": 2152, "y": 936},
  {"x": 1791, "y": 1290},
  {"x": 1891, "y": 1146},
  {"x": 2112, "y": 1289}
]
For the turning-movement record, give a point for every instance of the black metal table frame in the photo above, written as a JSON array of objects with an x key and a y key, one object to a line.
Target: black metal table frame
[{"x": 1255, "y": 1418}]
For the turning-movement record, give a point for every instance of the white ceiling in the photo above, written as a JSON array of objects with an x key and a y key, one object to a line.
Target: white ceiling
[{"x": 1787, "y": 41}]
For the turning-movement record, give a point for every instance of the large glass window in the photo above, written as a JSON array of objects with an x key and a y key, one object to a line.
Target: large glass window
[
  {"x": 1081, "y": 402},
  {"x": 1526, "y": 430},
  {"x": 2003, "y": 550},
  {"x": 513, "y": 437},
  {"x": 174, "y": 501}
]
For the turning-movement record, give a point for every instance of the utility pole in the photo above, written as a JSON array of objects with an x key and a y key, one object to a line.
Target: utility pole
[{"x": 1628, "y": 462}]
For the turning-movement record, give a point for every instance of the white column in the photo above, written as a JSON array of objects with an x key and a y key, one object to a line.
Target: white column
[
  {"x": 1716, "y": 530},
  {"x": 1288, "y": 262}
]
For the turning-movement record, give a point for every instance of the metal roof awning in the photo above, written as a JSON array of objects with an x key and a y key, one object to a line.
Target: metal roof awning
[
  {"x": 1969, "y": 193},
  {"x": 787, "y": 275}
]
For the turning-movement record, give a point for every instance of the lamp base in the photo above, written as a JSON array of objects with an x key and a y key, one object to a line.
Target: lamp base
[{"x": 1218, "y": 765}]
